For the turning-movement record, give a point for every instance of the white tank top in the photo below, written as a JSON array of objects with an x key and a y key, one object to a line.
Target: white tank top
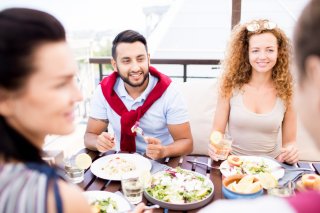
[{"x": 252, "y": 133}]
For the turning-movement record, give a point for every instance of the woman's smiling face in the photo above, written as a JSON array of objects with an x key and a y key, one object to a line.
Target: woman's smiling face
[
  {"x": 46, "y": 103},
  {"x": 263, "y": 52}
]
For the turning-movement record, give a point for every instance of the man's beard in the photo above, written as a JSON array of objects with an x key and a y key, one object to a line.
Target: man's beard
[{"x": 126, "y": 79}]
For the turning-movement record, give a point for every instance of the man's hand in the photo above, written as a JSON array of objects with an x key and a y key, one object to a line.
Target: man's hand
[
  {"x": 154, "y": 148},
  {"x": 105, "y": 142},
  {"x": 289, "y": 154}
]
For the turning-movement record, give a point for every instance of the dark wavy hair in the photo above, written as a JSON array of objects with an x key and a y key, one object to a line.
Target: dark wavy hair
[
  {"x": 22, "y": 31},
  {"x": 127, "y": 36}
]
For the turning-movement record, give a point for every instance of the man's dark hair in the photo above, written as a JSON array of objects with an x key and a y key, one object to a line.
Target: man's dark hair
[{"x": 127, "y": 36}]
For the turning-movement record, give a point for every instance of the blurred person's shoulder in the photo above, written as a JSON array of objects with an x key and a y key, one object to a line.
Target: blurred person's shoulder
[{"x": 305, "y": 202}]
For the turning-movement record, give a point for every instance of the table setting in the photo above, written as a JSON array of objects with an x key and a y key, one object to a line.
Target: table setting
[{"x": 199, "y": 165}]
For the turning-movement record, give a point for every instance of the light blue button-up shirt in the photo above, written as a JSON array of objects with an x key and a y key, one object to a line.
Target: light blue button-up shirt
[{"x": 170, "y": 108}]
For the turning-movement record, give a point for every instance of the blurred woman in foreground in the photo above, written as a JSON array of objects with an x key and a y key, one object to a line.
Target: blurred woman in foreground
[{"x": 38, "y": 93}]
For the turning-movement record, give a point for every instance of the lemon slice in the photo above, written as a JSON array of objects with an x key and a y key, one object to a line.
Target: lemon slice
[
  {"x": 267, "y": 180},
  {"x": 83, "y": 161},
  {"x": 216, "y": 137}
]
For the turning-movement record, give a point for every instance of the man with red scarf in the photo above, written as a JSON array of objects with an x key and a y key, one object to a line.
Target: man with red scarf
[{"x": 136, "y": 94}]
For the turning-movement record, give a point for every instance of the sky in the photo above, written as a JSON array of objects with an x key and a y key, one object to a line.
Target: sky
[{"x": 90, "y": 14}]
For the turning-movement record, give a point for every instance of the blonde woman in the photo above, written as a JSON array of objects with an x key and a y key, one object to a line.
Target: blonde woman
[{"x": 255, "y": 97}]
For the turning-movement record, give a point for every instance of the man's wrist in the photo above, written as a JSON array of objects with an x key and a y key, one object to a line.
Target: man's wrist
[{"x": 164, "y": 152}]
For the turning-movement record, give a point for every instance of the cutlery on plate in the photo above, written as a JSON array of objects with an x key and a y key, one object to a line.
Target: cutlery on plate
[
  {"x": 291, "y": 169},
  {"x": 205, "y": 164}
]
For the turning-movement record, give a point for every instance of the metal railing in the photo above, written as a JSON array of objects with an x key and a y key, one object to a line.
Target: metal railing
[{"x": 183, "y": 62}]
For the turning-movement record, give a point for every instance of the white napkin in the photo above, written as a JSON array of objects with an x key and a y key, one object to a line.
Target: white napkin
[
  {"x": 290, "y": 175},
  {"x": 157, "y": 167}
]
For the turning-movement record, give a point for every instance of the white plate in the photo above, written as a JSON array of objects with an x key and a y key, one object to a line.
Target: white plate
[
  {"x": 122, "y": 204},
  {"x": 140, "y": 162},
  {"x": 277, "y": 173},
  {"x": 182, "y": 206}
]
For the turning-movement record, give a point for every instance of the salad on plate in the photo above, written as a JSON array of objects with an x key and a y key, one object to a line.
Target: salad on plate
[
  {"x": 179, "y": 186},
  {"x": 106, "y": 202},
  {"x": 104, "y": 205},
  {"x": 251, "y": 165}
]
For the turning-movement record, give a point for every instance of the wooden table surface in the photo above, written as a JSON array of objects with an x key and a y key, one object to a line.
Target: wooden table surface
[{"x": 91, "y": 182}]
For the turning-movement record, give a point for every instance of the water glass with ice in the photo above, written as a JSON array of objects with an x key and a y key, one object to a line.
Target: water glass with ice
[
  {"x": 132, "y": 187},
  {"x": 222, "y": 147},
  {"x": 73, "y": 173}
]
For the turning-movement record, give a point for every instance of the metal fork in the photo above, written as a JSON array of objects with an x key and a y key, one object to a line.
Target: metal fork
[
  {"x": 212, "y": 167},
  {"x": 137, "y": 130}
]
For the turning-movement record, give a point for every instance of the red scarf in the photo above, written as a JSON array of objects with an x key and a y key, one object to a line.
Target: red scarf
[{"x": 129, "y": 118}]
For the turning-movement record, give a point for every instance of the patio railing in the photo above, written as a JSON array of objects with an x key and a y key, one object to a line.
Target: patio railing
[{"x": 184, "y": 62}]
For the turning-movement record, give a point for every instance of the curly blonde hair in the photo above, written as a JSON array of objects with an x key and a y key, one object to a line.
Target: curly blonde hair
[{"x": 237, "y": 69}]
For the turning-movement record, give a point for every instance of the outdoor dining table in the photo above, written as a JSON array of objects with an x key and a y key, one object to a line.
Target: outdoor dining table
[{"x": 91, "y": 182}]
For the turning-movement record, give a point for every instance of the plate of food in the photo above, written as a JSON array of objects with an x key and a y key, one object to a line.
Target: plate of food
[
  {"x": 251, "y": 165},
  {"x": 112, "y": 167},
  {"x": 179, "y": 189},
  {"x": 102, "y": 201}
]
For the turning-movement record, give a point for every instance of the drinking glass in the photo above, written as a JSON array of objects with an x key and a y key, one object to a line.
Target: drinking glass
[
  {"x": 73, "y": 173},
  {"x": 132, "y": 187},
  {"x": 223, "y": 147},
  {"x": 283, "y": 191}
]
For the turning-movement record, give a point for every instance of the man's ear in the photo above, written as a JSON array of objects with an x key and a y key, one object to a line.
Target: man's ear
[
  {"x": 149, "y": 59},
  {"x": 114, "y": 65},
  {"x": 312, "y": 66}
]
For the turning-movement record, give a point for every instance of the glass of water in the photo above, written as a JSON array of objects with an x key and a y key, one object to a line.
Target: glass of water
[
  {"x": 132, "y": 187},
  {"x": 73, "y": 173},
  {"x": 283, "y": 191},
  {"x": 222, "y": 147}
]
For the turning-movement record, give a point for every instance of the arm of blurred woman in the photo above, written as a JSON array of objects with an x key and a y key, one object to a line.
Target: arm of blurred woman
[
  {"x": 289, "y": 151},
  {"x": 72, "y": 199}
]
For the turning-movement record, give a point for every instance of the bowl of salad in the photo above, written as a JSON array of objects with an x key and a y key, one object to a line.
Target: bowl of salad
[{"x": 179, "y": 189}]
